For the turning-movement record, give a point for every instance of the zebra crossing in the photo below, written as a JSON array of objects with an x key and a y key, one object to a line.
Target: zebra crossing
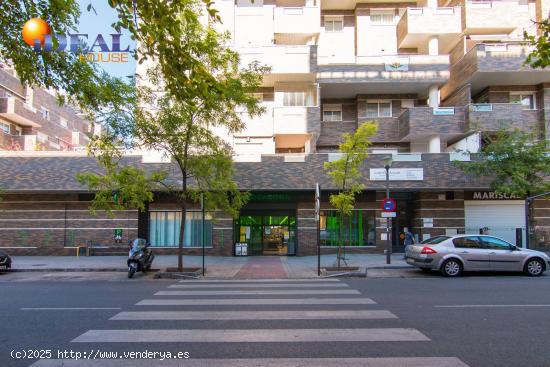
[{"x": 310, "y": 301}]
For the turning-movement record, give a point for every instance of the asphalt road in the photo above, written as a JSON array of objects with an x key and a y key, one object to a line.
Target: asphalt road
[{"x": 428, "y": 321}]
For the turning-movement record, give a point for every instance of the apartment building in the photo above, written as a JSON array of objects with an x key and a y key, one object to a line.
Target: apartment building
[
  {"x": 32, "y": 120},
  {"x": 437, "y": 76}
]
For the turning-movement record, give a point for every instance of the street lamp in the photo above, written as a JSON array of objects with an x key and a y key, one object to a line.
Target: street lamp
[{"x": 388, "y": 162}]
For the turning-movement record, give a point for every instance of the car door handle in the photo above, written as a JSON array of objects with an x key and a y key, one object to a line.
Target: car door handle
[
  {"x": 492, "y": 253},
  {"x": 464, "y": 252}
]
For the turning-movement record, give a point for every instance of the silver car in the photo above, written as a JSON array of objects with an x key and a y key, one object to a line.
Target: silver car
[{"x": 452, "y": 255}]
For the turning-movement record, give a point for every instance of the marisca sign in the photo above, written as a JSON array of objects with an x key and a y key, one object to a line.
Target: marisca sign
[{"x": 491, "y": 195}]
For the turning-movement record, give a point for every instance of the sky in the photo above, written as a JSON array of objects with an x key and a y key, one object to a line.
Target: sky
[{"x": 92, "y": 24}]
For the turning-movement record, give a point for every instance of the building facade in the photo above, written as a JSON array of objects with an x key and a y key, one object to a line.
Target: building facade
[
  {"x": 32, "y": 120},
  {"x": 436, "y": 76}
]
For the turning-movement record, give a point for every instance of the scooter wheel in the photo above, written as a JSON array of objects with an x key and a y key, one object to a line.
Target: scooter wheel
[{"x": 131, "y": 271}]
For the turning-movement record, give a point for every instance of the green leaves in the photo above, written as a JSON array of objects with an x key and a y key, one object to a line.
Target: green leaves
[
  {"x": 540, "y": 56},
  {"x": 345, "y": 172},
  {"x": 516, "y": 161}
]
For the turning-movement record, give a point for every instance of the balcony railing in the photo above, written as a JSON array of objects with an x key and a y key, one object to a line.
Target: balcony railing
[
  {"x": 425, "y": 121},
  {"x": 498, "y": 116},
  {"x": 495, "y": 15},
  {"x": 417, "y": 24},
  {"x": 300, "y": 20},
  {"x": 17, "y": 111},
  {"x": 290, "y": 120},
  {"x": 283, "y": 59}
]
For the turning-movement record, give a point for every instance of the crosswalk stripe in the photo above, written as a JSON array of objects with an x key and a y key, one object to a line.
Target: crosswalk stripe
[
  {"x": 255, "y": 301},
  {"x": 257, "y": 292},
  {"x": 304, "y": 280},
  {"x": 255, "y": 315},
  {"x": 267, "y": 362},
  {"x": 261, "y": 285},
  {"x": 250, "y": 335}
]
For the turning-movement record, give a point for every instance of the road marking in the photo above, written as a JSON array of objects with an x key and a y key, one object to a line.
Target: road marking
[
  {"x": 68, "y": 308},
  {"x": 261, "y": 285},
  {"x": 260, "y": 292},
  {"x": 311, "y": 280},
  {"x": 254, "y": 315},
  {"x": 483, "y": 306},
  {"x": 250, "y": 335},
  {"x": 271, "y": 362},
  {"x": 256, "y": 301}
]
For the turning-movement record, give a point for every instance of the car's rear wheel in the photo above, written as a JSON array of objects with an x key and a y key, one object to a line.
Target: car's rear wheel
[
  {"x": 533, "y": 267},
  {"x": 451, "y": 268}
]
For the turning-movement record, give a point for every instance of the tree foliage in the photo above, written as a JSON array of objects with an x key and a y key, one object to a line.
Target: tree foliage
[
  {"x": 345, "y": 172},
  {"x": 540, "y": 56},
  {"x": 516, "y": 161},
  {"x": 101, "y": 96}
]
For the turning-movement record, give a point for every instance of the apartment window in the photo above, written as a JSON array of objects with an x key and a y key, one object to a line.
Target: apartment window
[
  {"x": 164, "y": 229},
  {"x": 525, "y": 99},
  {"x": 334, "y": 24},
  {"x": 45, "y": 113},
  {"x": 385, "y": 17},
  {"x": 379, "y": 109},
  {"x": 298, "y": 99},
  {"x": 332, "y": 112},
  {"x": 5, "y": 127},
  {"x": 63, "y": 122}
]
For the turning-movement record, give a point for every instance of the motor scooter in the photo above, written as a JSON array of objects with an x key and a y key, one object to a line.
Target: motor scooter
[{"x": 140, "y": 257}]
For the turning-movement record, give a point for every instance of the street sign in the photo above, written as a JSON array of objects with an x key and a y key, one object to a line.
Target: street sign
[
  {"x": 317, "y": 201},
  {"x": 389, "y": 214},
  {"x": 389, "y": 205}
]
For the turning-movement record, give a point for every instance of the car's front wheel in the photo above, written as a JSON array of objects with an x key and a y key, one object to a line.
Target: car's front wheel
[
  {"x": 451, "y": 268},
  {"x": 533, "y": 267}
]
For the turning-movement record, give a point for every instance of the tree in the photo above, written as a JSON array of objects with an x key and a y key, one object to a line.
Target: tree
[
  {"x": 540, "y": 56},
  {"x": 346, "y": 174},
  {"x": 176, "y": 111},
  {"x": 516, "y": 161},
  {"x": 101, "y": 96}
]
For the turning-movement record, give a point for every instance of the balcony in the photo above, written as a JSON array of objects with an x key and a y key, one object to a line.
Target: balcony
[
  {"x": 290, "y": 120},
  {"x": 11, "y": 142},
  {"x": 297, "y": 20},
  {"x": 494, "y": 64},
  {"x": 261, "y": 125},
  {"x": 495, "y": 16},
  {"x": 385, "y": 73},
  {"x": 291, "y": 59},
  {"x": 421, "y": 122},
  {"x": 7, "y": 80},
  {"x": 417, "y": 25},
  {"x": 15, "y": 110},
  {"x": 497, "y": 116}
]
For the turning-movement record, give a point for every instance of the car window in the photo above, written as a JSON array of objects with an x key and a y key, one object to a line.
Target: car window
[
  {"x": 493, "y": 243},
  {"x": 467, "y": 242},
  {"x": 435, "y": 240}
]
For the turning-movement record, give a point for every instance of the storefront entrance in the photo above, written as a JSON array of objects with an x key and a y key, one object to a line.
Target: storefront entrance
[{"x": 272, "y": 233}]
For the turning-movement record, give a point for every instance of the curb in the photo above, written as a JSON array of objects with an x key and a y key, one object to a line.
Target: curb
[
  {"x": 73, "y": 270},
  {"x": 392, "y": 267}
]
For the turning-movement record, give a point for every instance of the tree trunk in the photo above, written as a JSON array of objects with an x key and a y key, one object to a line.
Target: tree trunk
[
  {"x": 340, "y": 225},
  {"x": 181, "y": 236}
]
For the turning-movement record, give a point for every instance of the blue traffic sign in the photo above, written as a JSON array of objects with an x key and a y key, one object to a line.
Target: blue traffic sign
[{"x": 389, "y": 205}]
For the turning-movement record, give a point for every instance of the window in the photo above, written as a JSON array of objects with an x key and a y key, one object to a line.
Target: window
[
  {"x": 493, "y": 243},
  {"x": 385, "y": 17},
  {"x": 526, "y": 100},
  {"x": 332, "y": 112},
  {"x": 378, "y": 109},
  {"x": 63, "y": 122},
  {"x": 5, "y": 127},
  {"x": 45, "y": 113},
  {"x": 334, "y": 24},
  {"x": 359, "y": 229},
  {"x": 298, "y": 99},
  {"x": 467, "y": 242},
  {"x": 434, "y": 240},
  {"x": 164, "y": 229}
]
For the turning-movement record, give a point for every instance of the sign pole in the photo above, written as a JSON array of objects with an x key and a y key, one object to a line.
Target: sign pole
[
  {"x": 202, "y": 234},
  {"x": 318, "y": 220}
]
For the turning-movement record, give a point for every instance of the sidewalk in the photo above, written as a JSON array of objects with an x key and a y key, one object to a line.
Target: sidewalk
[{"x": 217, "y": 267}]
